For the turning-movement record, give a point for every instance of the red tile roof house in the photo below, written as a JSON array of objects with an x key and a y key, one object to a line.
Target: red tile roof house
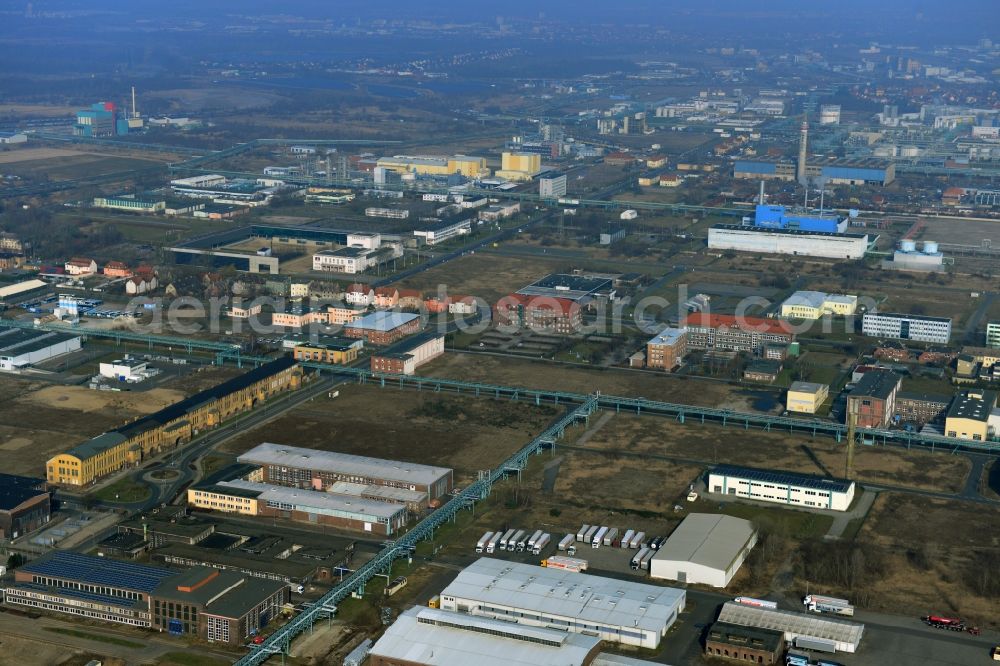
[
  {"x": 539, "y": 313},
  {"x": 117, "y": 269},
  {"x": 410, "y": 299},
  {"x": 739, "y": 334},
  {"x": 81, "y": 266},
  {"x": 359, "y": 294}
]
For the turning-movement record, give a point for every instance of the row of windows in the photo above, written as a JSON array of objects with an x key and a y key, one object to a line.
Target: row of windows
[
  {"x": 559, "y": 623},
  {"x": 95, "y": 589},
  {"x": 217, "y": 629},
  {"x": 60, "y": 608}
]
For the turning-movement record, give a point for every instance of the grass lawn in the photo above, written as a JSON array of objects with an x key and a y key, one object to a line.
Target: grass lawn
[
  {"x": 787, "y": 522},
  {"x": 123, "y": 490},
  {"x": 103, "y": 638},
  {"x": 191, "y": 659}
]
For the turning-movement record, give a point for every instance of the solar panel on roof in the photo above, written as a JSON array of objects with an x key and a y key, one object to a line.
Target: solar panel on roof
[
  {"x": 99, "y": 571},
  {"x": 784, "y": 478}
]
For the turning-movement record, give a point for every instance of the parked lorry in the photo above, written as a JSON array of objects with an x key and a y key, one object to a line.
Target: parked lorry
[
  {"x": 565, "y": 563},
  {"x": 627, "y": 538},
  {"x": 950, "y": 623},
  {"x": 598, "y": 537},
  {"x": 540, "y": 543},
  {"x": 610, "y": 536},
  {"x": 506, "y": 538},
  {"x": 582, "y": 533},
  {"x": 820, "y": 604},
  {"x": 519, "y": 541},
  {"x": 534, "y": 538},
  {"x": 644, "y": 563},
  {"x": 494, "y": 542},
  {"x": 566, "y": 541},
  {"x": 756, "y": 603},
  {"x": 589, "y": 536},
  {"x": 637, "y": 558},
  {"x": 638, "y": 541},
  {"x": 483, "y": 540}
]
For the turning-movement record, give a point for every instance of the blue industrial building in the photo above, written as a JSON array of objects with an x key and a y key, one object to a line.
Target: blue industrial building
[
  {"x": 777, "y": 217},
  {"x": 100, "y": 120}
]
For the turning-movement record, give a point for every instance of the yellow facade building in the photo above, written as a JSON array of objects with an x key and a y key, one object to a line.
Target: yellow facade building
[
  {"x": 969, "y": 415},
  {"x": 435, "y": 165},
  {"x": 815, "y": 304},
  {"x": 519, "y": 166},
  {"x": 172, "y": 426},
  {"x": 338, "y": 352},
  {"x": 806, "y": 397}
]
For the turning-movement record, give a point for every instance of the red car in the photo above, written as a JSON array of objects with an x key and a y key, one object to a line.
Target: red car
[{"x": 258, "y": 639}]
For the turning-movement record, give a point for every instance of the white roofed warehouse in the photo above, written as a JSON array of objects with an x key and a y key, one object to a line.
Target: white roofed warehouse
[
  {"x": 432, "y": 637},
  {"x": 705, "y": 548},
  {"x": 616, "y": 611}
]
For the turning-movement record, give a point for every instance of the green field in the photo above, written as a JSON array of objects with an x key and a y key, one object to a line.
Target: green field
[{"x": 103, "y": 638}]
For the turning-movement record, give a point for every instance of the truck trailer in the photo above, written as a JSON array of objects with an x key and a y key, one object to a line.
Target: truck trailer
[
  {"x": 483, "y": 540},
  {"x": 492, "y": 545},
  {"x": 517, "y": 541},
  {"x": 598, "y": 537},
  {"x": 610, "y": 536},
  {"x": 540, "y": 543},
  {"x": 638, "y": 541},
  {"x": 820, "y": 604},
  {"x": 644, "y": 563},
  {"x": 582, "y": 533},
  {"x": 566, "y": 563},
  {"x": 588, "y": 538},
  {"x": 506, "y": 538},
  {"x": 756, "y": 603},
  {"x": 627, "y": 538},
  {"x": 534, "y": 537},
  {"x": 637, "y": 558},
  {"x": 567, "y": 541}
]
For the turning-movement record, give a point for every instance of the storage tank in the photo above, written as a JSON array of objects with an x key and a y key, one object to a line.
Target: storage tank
[
  {"x": 908, "y": 246},
  {"x": 930, "y": 247}
]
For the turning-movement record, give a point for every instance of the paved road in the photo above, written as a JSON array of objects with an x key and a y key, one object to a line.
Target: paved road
[{"x": 971, "y": 334}]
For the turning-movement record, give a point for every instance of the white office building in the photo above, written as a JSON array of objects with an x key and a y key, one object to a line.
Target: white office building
[
  {"x": 705, "y": 548},
  {"x": 613, "y": 610},
  {"x": 552, "y": 186},
  {"x": 803, "y": 490},
  {"x": 906, "y": 327},
  {"x": 348, "y": 260},
  {"x": 439, "y": 234}
]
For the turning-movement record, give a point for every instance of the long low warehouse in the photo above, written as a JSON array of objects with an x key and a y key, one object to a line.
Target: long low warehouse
[
  {"x": 350, "y": 512},
  {"x": 799, "y": 629},
  {"x": 615, "y": 611},
  {"x": 311, "y": 468}
]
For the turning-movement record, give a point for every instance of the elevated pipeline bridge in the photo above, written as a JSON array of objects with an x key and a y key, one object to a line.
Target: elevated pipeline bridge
[
  {"x": 280, "y": 641},
  {"x": 223, "y": 351}
]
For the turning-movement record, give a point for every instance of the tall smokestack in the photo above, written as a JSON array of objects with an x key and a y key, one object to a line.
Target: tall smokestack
[
  {"x": 761, "y": 199},
  {"x": 134, "y": 114},
  {"x": 803, "y": 150}
]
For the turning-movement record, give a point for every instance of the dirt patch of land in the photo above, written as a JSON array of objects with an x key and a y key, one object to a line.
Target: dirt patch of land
[
  {"x": 86, "y": 400},
  {"x": 710, "y": 443},
  {"x": 466, "y": 434},
  {"x": 934, "y": 548},
  {"x": 26, "y": 154},
  {"x": 546, "y": 375},
  {"x": 487, "y": 276}
]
